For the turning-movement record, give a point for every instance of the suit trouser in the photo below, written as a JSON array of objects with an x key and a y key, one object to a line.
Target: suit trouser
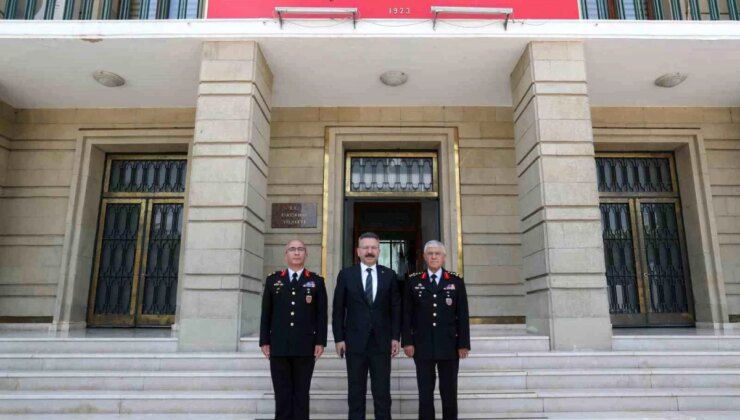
[
  {"x": 377, "y": 361},
  {"x": 426, "y": 378},
  {"x": 291, "y": 379}
]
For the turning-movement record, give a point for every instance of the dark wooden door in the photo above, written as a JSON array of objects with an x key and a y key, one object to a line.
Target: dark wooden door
[{"x": 398, "y": 224}]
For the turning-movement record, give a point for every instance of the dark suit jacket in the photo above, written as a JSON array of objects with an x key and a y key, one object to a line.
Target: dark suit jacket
[
  {"x": 294, "y": 316},
  {"x": 435, "y": 318},
  {"x": 354, "y": 318}
]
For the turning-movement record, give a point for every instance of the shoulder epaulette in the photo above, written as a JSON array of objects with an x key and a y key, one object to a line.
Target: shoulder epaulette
[
  {"x": 416, "y": 274},
  {"x": 456, "y": 274}
]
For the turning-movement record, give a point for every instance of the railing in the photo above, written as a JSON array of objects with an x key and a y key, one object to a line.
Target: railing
[
  {"x": 101, "y": 9},
  {"x": 661, "y": 9}
]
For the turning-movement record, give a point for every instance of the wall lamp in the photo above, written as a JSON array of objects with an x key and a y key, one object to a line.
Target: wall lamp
[
  {"x": 280, "y": 11},
  {"x": 499, "y": 11}
]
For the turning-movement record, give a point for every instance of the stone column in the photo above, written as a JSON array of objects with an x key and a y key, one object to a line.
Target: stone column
[
  {"x": 562, "y": 249},
  {"x": 224, "y": 238}
]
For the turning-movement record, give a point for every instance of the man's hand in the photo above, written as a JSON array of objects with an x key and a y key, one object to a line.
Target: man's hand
[
  {"x": 409, "y": 350},
  {"x": 318, "y": 350},
  {"x": 341, "y": 349},
  {"x": 395, "y": 347},
  {"x": 463, "y": 353},
  {"x": 266, "y": 350}
]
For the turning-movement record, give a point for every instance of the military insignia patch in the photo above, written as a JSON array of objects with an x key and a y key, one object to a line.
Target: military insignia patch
[
  {"x": 448, "y": 301},
  {"x": 309, "y": 299}
]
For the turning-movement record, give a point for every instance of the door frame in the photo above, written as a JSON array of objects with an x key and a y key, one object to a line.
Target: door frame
[
  {"x": 90, "y": 149},
  {"x": 686, "y": 141},
  {"x": 135, "y": 318},
  {"x": 646, "y": 318},
  {"x": 340, "y": 140}
]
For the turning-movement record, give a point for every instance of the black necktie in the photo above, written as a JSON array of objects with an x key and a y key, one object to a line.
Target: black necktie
[
  {"x": 369, "y": 286},
  {"x": 295, "y": 277},
  {"x": 434, "y": 280}
]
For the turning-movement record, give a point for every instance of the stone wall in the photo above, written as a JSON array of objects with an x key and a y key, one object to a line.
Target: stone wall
[
  {"x": 488, "y": 188},
  {"x": 37, "y": 152},
  {"x": 35, "y": 195},
  {"x": 7, "y": 125},
  {"x": 720, "y": 129},
  {"x": 8, "y": 279}
]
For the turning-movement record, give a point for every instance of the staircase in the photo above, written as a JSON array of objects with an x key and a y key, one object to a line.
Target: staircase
[{"x": 514, "y": 376}]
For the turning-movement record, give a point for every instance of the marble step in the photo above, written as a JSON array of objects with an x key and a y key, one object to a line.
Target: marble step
[
  {"x": 480, "y": 344},
  {"x": 404, "y": 380},
  {"x": 334, "y": 403},
  {"x": 676, "y": 342},
  {"x": 476, "y": 361},
  {"x": 87, "y": 345},
  {"x": 620, "y": 415}
]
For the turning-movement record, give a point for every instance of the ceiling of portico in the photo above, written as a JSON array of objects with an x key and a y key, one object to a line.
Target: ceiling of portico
[{"x": 43, "y": 71}]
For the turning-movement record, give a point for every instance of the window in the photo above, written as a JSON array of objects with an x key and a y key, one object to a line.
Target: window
[
  {"x": 661, "y": 9},
  {"x": 388, "y": 174}
]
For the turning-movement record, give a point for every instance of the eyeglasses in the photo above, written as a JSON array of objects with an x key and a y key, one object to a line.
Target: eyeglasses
[{"x": 296, "y": 249}]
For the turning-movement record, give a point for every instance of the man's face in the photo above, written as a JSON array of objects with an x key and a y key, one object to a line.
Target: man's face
[
  {"x": 368, "y": 250},
  {"x": 434, "y": 257},
  {"x": 295, "y": 254}
]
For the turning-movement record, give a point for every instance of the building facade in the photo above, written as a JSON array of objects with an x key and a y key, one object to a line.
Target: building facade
[{"x": 573, "y": 194}]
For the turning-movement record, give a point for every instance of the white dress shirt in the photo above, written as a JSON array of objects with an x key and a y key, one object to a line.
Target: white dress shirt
[
  {"x": 438, "y": 274},
  {"x": 290, "y": 274},
  {"x": 374, "y": 273}
]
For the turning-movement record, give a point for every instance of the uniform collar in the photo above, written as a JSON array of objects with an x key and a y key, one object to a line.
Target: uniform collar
[
  {"x": 438, "y": 273},
  {"x": 299, "y": 272}
]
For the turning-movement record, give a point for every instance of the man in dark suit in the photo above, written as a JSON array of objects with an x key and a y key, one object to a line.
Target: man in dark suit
[
  {"x": 436, "y": 330},
  {"x": 367, "y": 326},
  {"x": 293, "y": 331}
]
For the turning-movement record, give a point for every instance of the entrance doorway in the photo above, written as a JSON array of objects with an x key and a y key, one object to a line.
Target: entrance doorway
[
  {"x": 403, "y": 228},
  {"x": 644, "y": 246},
  {"x": 393, "y": 194},
  {"x": 137, "y": 253}
]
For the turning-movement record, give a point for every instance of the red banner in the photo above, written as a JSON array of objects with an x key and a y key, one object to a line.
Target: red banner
[{"x": 394, "y": 9}]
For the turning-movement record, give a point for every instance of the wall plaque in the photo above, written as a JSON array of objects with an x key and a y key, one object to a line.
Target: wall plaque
[{"x": 293, "y": 215}]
